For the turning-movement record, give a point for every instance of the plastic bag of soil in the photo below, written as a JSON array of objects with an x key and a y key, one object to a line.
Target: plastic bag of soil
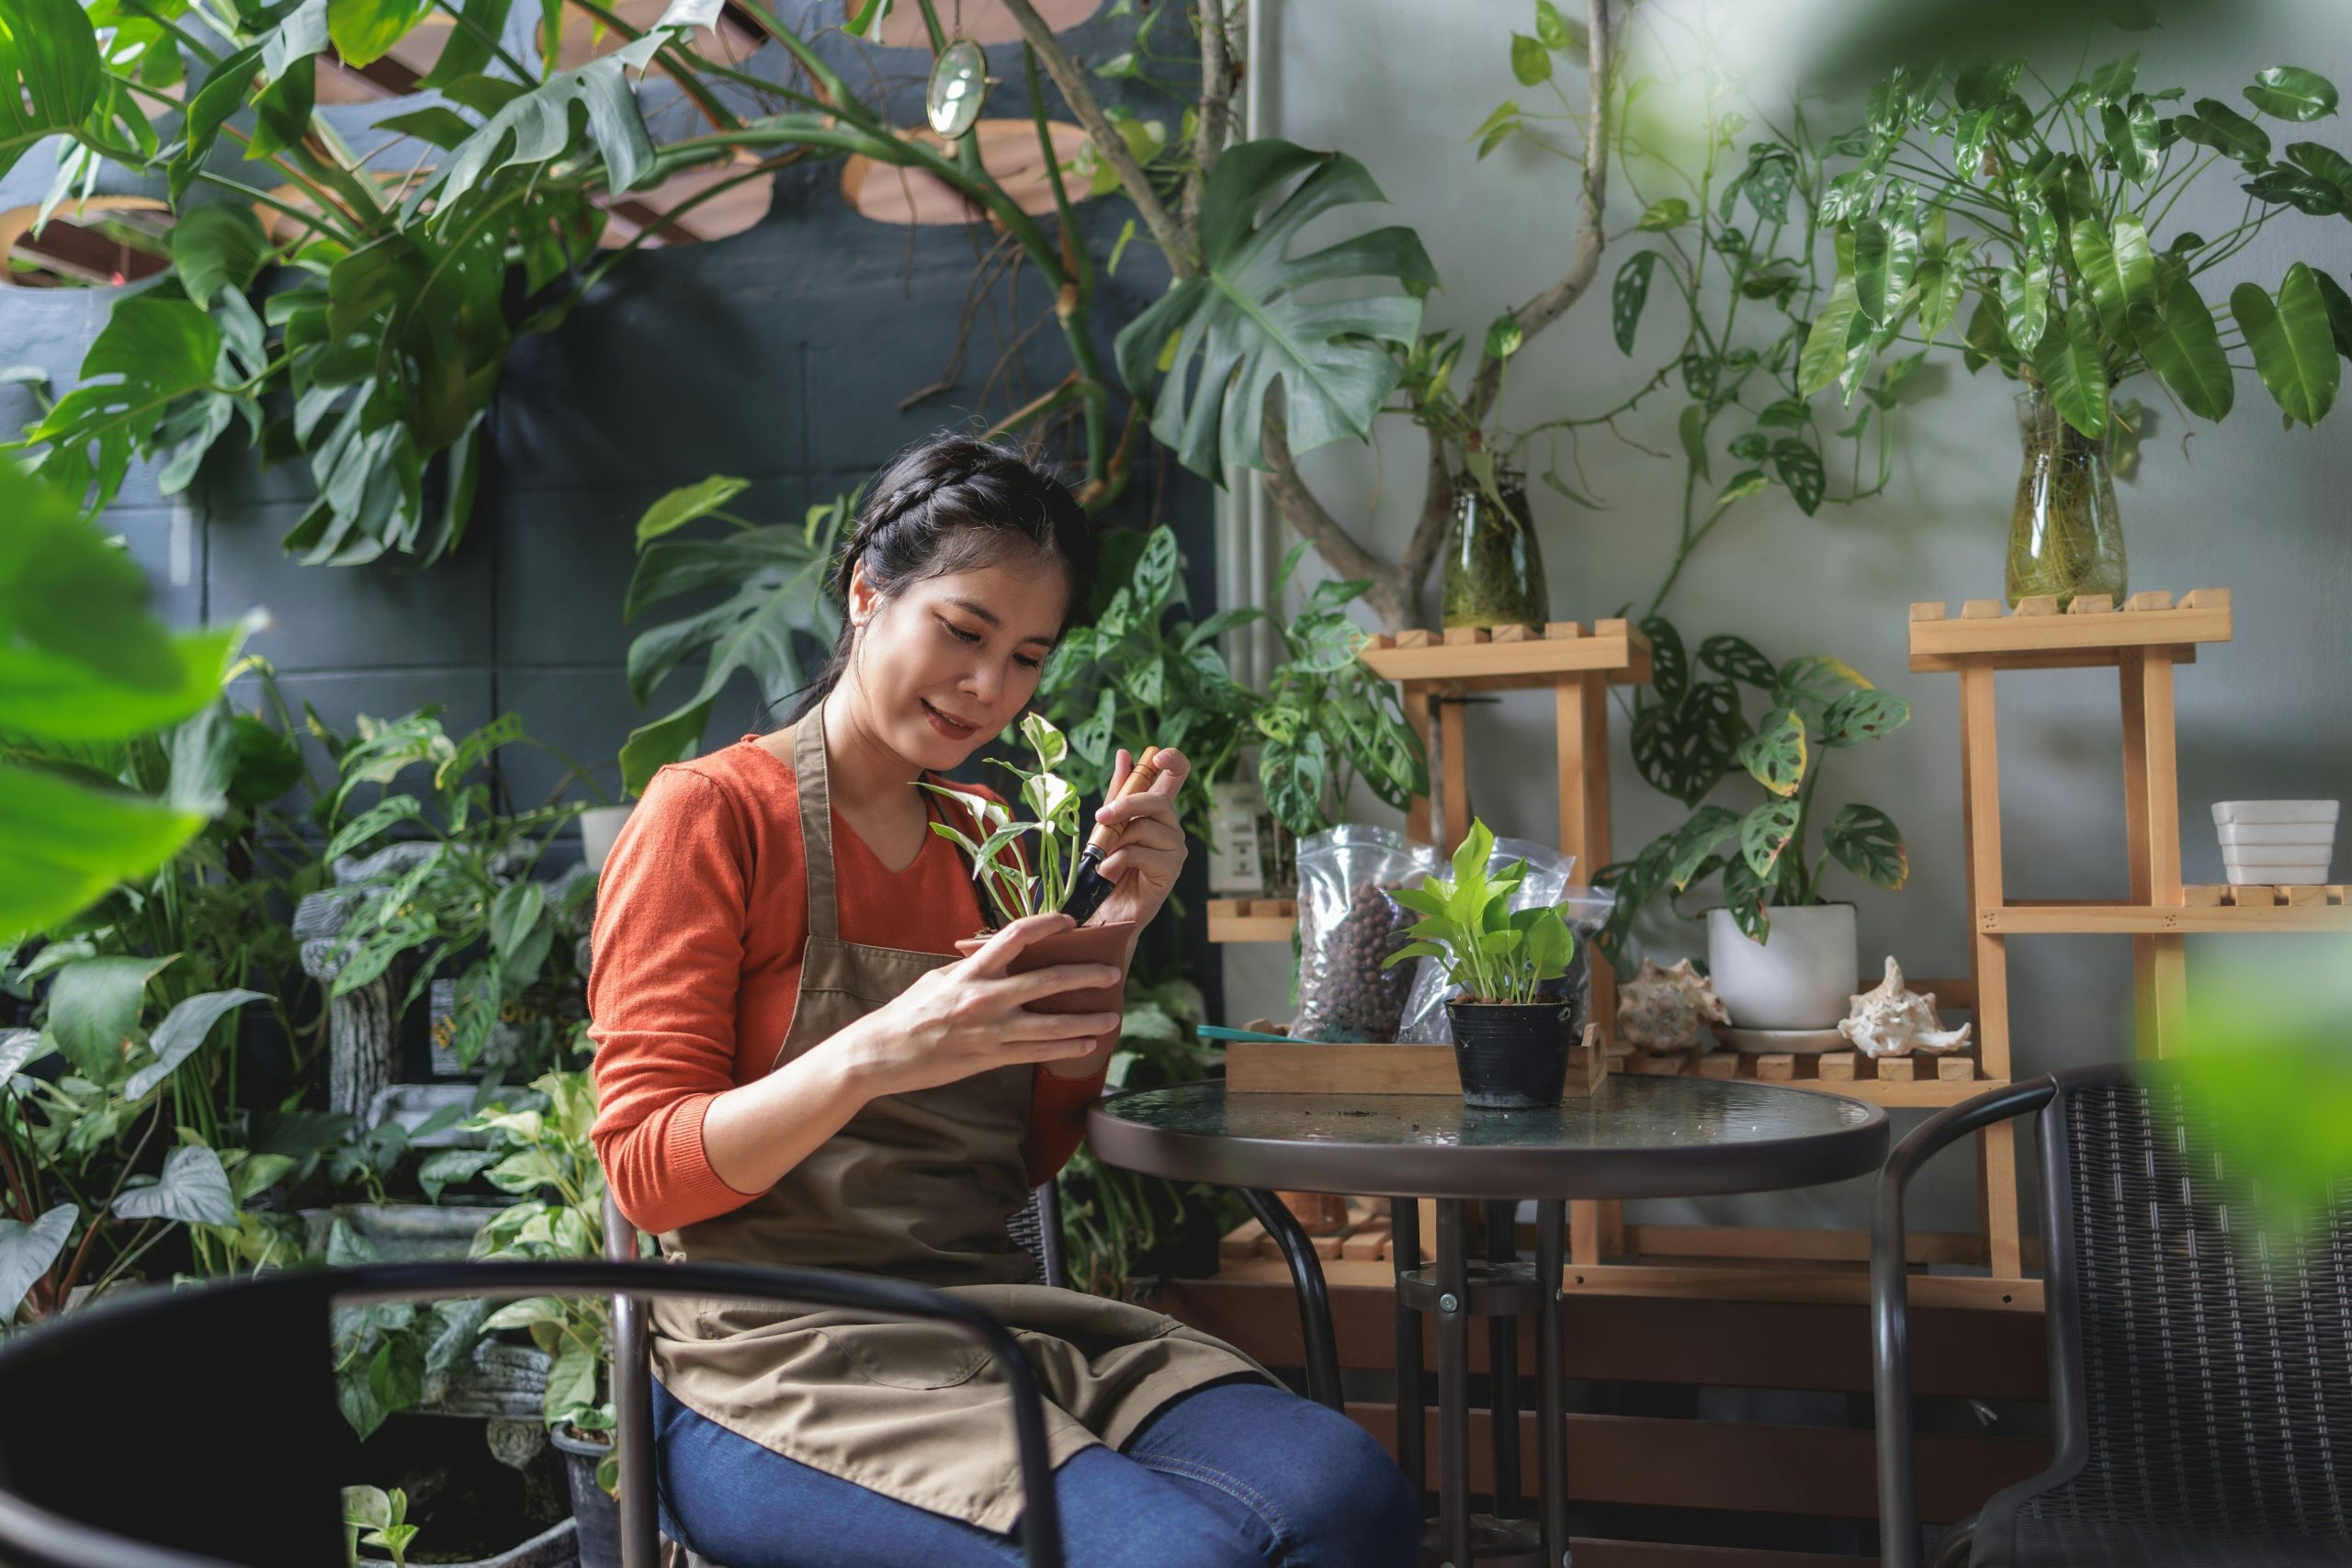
[
  {"x": 1349, "y": 924},
  {"x": 1586, "y": 909}
]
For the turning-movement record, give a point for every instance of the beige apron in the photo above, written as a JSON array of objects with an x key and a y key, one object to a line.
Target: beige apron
[{"x": 916, "y": 1187}]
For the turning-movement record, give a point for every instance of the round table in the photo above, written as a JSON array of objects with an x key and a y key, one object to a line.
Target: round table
[{"x": 1633, "y": 1137}]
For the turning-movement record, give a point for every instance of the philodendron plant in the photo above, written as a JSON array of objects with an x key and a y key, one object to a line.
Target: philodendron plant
[
  {"x": 1014, "y": 890},
  {"x": 1494, "y": 953},
  {"x": 2047, "y": 212},
  {"x": 1701, "y": 736}
]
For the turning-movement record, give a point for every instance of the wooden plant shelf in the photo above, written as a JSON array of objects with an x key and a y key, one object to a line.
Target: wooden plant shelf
[
  {"x": 2091, "y": 632},
  {"x": 1253, "y": 920},
  {"x": 2202, "y": 910},
  {"x": 1907, "y": 1081},
  {"x": 1510, "y": 658}
]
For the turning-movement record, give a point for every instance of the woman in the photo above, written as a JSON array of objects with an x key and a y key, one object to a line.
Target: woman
[{"x": 796, "y": 1069}]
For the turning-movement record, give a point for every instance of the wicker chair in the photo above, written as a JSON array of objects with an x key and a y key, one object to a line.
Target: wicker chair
[
  {"x": 2201, "y": 1390},
  {"x": 252, "y": 1356},
  {"x": 1036, "y": 1229}
]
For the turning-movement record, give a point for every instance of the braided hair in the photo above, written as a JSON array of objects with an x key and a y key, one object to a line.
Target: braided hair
[{"x": 953, "y": 504}]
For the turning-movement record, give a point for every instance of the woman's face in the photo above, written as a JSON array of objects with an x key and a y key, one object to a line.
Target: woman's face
[{"x": 965, "y": 645}]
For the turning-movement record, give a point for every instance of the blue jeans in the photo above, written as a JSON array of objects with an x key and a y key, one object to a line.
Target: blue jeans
[{"x": 1233, "y": 1476}]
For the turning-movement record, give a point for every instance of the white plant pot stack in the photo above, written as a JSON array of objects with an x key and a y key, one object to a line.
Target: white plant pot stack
[
  {"x": 2286, "y": 842},
  {"x": 1801, "y": 976},
  {"x": 599, "y": 826}
]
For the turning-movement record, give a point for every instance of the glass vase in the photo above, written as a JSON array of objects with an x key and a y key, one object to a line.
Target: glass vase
[
  {"x": 1494, "y": 569},
  {"x": 2065, "y": 532}
]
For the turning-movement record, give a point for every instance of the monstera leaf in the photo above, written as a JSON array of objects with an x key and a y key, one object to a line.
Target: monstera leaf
[
  {"x": 1218, "y": 340},
  {"x": 49, "y": 72}
]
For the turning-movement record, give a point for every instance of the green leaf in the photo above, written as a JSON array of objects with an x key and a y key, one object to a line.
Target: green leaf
[
  {"x": 1775, "y": 755},
  {"x": 1886, "y": 254},
  {"x": 1243, "y": 323},
  {"x": 50, "y": 77},
  {"x": 1800, "y": 468},
  {"x": 2290, "y": 92},
  {"x": 1559, "y": 32},
  {"x": 1683, "y": 748},
  {"x": 2221, "y": 128},
  {"x": 2327, "y": 165},
  {"x": 2119, "y": 268},
  {"x": 2112, "y": 83},
  {"x": 2184, "y": 348},
  {"x": 468, "y": 48},
  {"x": 2068, "y": 360},
  {"x": 94, "y": 1007},
  {"x": 2025, "y": 306},
  {"x": 153, "y": 353},
  {"x": 514, "y": 915},
  {"x": 1738, "y": 658},
  {"x": 193, "y": 1190},
  {"x": 27, "y": 1251},
  {"x": 1627, "y": 295},
  {"x": 572, "y": 1382},
  {"x": 2339, "y": 311},
  {"x": 1811, "y": 683},
  {"x": 364, "y": 30},
  {"x": 1867, "y": 715},
  {"x": 1530, "y": 61},
  {"x": 535, "y": 127},
  {"x": 1697, "y": 839},
  {"x": 1866, "y": 842},
  {"x": 1669, "y": 664},
  {"x": 2133, "y": 140},
  {"x": 1671, "y": 213},
  {"x": 1765, "y": 832},
  {"x": 216, "y": 246},
  {"x": 182, "y": 1030},
  {"x": 1941, "y": 282},
  {"x": 2294, "y": 351},
  {"x": 683, "y": 506},
  {"x": 1824, "y": 359},
  {"x": 1691, "y": 427}
]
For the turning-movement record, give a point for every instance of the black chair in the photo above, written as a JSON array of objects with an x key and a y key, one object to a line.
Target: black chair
[
  {"x": 2201, "y": 1392},
  {"x": 123, "y": 1426},
  {"x": 1036, "y": 1229}
]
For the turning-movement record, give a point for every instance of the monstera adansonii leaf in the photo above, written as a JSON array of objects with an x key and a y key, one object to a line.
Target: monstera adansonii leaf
[{"x": 1218, "y": 340}]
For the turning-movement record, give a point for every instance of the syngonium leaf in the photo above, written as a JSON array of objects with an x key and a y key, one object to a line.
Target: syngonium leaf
[
  {"x": 50, "y": 76},
  {"x": 1228, "y": 334},
  {"x": 193, "y": 1190},
  {"x": 26, "y": 1253},
  {"x": 2294, "y": 351},
  {"x": 182, "y": 1030}
]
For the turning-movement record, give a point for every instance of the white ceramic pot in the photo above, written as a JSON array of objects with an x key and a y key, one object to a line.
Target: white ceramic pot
[
  {"x": 1799, "y": 977},
  {"x": 599, "y": 826}
]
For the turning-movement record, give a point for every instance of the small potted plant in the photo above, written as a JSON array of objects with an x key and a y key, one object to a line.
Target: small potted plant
[
  {"x": 1510, "y": 1041},
  {"x": 1780, "y": 956},
  {"x": 1014, "y": 892}
]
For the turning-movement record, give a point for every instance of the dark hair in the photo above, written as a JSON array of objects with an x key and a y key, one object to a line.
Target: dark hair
[{"x": 952, "y": 504}]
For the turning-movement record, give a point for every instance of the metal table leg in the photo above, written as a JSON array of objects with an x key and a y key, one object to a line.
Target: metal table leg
[
  {"x": 1452, "y": 1386},
  {"x": 1551, "y": 1353},
  {"x": 1502, "y": 1365},
  {"x": 1314, "y": 1303},
  {"x": 1405, "y": 1252}
]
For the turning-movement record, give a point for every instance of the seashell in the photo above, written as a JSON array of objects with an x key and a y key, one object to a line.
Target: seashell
[
  {"x": 1890, "y": 1019},
  {"x": 1668, "y": 1009}
]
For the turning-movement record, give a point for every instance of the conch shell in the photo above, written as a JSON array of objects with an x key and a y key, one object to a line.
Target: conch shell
[
  {"x": 1893, "y": 1020},
  {"x": 1668, "y": 1009}
]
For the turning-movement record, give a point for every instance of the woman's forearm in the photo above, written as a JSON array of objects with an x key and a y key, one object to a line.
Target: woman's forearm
[{"x": 754, "y": 1133}]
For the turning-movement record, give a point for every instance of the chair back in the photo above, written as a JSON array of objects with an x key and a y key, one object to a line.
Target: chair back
[
  {"x": 2201, "y": 1382},
  {"x": 200, "y": 1423}
]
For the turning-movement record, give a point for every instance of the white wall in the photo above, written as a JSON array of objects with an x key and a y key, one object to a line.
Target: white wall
[{"x": 2263, "y": 512}]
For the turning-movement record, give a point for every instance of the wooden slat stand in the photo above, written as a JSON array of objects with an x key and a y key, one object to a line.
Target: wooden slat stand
[
  {"x": 1580, "y": 664},
  {"x": 2145, "y": 640}
]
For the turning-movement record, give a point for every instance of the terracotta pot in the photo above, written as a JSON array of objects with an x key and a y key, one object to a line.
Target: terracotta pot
[{"x": 1082, "y": 944}]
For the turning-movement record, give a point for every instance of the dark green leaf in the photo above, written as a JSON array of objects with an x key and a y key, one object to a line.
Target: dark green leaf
[
  {"x": 2339, "y": 311},
  {"x": 1243, "y": 323},
  {"x": 1737, "y": 658},
  {"x": 2298, "y": 188},
  {"x": 1670, "y": 665},
  {"x": 1824, "y": 359},
  {"x": 2068, "y": 362},
  {"x": 1800, "y": 468},
  {"x": 1866, "y": 842},
  {"x": 2112, "y": 83},
  {"x": 2221, "y": 128},
  {"x": 2294, "y": 351},
  {"x": 1765, "y": 832},
  {"x": 2184, "y": 349},
  {"x": 218, "y": 245},
  {"x": 1691, "y": 426},
  {"x": 1696, "y": 839},
  {"x": 1628, "y": 294},
  {"x": 1787, "y": 413},
  {"x": 468, "y": 45},
  {"x": 2290, "y": 92},
  {"x": 2025, "y": 306},
  {"x": 2118, "y": 267},
  {"x": 2327, "y": 165},
  {"x": 1683, "y": 749},
  {"x": 1866, "y": 715},
  {"x": 1886, "y": 254},
  {"x": 50, "y": 79}
]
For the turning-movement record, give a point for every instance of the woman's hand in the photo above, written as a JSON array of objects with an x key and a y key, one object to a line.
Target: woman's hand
[
  {"x": 967, "y": 1017},
  {"x": 1143, "y": 867}
]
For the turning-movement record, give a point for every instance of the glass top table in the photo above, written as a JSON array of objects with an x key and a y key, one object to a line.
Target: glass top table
[{"x": 1636, "y": 1137}]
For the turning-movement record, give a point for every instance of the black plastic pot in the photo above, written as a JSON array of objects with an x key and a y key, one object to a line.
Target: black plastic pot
[
  {"x": 597, "y": 1510},
  {"x": 1512, "y": 1055}
]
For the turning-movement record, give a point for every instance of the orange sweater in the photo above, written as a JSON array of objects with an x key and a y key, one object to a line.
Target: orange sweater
[{"x": 701, "y": 922}]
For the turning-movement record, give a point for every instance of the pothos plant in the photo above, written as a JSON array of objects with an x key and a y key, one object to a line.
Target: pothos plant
[
  {"x": 1013, "y": 891},
  {"x": 1699, "y": 735},
  {"x": 1494, "y": 953},
  {"x": 2047, "y": 209}
]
